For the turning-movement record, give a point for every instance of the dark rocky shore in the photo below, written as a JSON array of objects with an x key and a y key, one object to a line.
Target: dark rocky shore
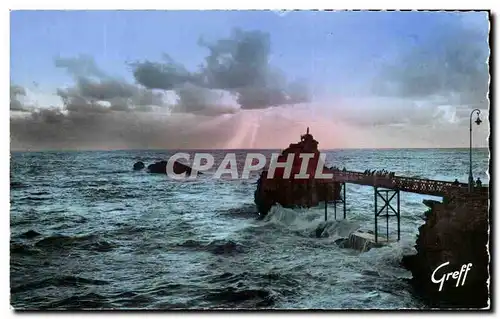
[
  {"x": 454, "y": 232},
  {"x": 161, "y": 168}
]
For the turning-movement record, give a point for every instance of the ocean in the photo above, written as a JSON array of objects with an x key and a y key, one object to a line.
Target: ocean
[{"x": 88, "y": 232}]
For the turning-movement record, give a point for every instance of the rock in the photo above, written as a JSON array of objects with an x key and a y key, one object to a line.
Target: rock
[
  {"x": 455, "y": 232},
  {"x": 296, "y": 192},
  {"x": 430, "y": 202},
  {"x": 138, "y": 166},
  {"x": 158, "y": 167},
  {"x": 161, "y": 168},
  {"x": 362, "y": 241}
]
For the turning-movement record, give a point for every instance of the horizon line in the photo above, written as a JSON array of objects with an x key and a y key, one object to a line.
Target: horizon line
[{"x": 236, "y": 149}]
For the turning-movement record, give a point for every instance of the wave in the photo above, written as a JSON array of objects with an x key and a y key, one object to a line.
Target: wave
[
  {"x": 121, "y": 171},
  {"x": 62, "y": 220},
  {"x": 30, "y": 234},
  {"x": 224, "y": 247},
  {"x": 336, "y": 229},
  {"x": 39, "y": 193},
  {"x": 87, "y": 242},
  {"x": 16, "y": 220},
  {"x": 309, "y": 223},
  {"x": 18, "y": 185},
  {"x": 244, "y": 211},
  {"x": 216, "y": 247},
  {"x": 241, "y": 298},
  {"x": 33, "y": 198},
  {"x": 62, "y": 281},
  {"x": 106, "y": 194},
  {"x": 21, "y": 249},
  {"x": 390, "y": 256},
  {"x": 127, "y": 229},
  {"x": 91, "y": 301},
  {"x": 251, "y": 289}
]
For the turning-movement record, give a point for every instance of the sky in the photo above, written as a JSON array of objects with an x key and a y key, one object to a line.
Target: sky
[{"x": 246, "y": 79}]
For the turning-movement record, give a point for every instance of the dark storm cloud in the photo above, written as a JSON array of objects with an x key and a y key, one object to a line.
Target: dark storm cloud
[
  {"x": 74, "y": 102},
  {"x": 93, "y": 85},
  {"x": 81, "y": 66},
  {"x": 164, "y": 76},
  {"x": 239, "y": 64},
  {"x": 15, "y": 92},
  {"x": 451, "y": 62},
  {"x": 105, "y": 90},
  {"x": 147, "y": 98},
  {"x": 50, "y": 129},
  {"x": 49, "y": 116},
  {"x": 242, "y": 60},
  {"x": 101, "y": 111},
  {"x": 260, "y": 97},
  {"x": 298, "y": 91},
  {"x": 198, "y": 100},
  {"x": 104, "y": 112}
]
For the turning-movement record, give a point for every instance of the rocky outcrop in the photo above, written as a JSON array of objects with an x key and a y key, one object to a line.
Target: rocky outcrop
[
  {"x": 161, "y": 168},
  {"x": 138, "y": 166},
  {"x": 430, "y": 202},
  {"x": 291, "y": 192},
  {"x": 158, "y": 167},
  {"x": 360, "y": 241},
  {"x": 456, "y": 232}
]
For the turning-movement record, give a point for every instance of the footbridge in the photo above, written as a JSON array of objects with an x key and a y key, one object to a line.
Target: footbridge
[{"x": 387, "y": 188}]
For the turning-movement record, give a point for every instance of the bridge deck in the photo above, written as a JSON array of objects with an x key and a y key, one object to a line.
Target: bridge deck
[{"x": 405, "y": 184}]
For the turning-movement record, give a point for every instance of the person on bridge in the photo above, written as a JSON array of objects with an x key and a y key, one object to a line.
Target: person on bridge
[
  {"x": 456, "y": 182},
  {"x": 479, "y": 183}
]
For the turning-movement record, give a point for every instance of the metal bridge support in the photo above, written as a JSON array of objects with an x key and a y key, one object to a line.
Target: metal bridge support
[
  {"x": 387, "y": 195},
  {"x": 342, "y": 199}
]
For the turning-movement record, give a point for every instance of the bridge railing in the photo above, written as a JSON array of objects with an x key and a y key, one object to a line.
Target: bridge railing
[{"x": 409, "y": 184}]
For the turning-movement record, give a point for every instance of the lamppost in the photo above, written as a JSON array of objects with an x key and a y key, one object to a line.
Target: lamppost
[{"x": 477, "y": 121}]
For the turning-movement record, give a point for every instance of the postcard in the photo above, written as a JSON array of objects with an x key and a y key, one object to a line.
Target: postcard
[{"x": 250, "y": 160}]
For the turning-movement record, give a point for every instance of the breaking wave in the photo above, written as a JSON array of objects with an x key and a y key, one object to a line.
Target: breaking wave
[
  {"x": 309, "y": 223},
  {"x": 216, "y": 247},
  {"x": 62, "y": 242}
]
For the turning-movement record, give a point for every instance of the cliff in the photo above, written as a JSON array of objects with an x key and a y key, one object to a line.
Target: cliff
[{"x": 456, "y": 232}]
